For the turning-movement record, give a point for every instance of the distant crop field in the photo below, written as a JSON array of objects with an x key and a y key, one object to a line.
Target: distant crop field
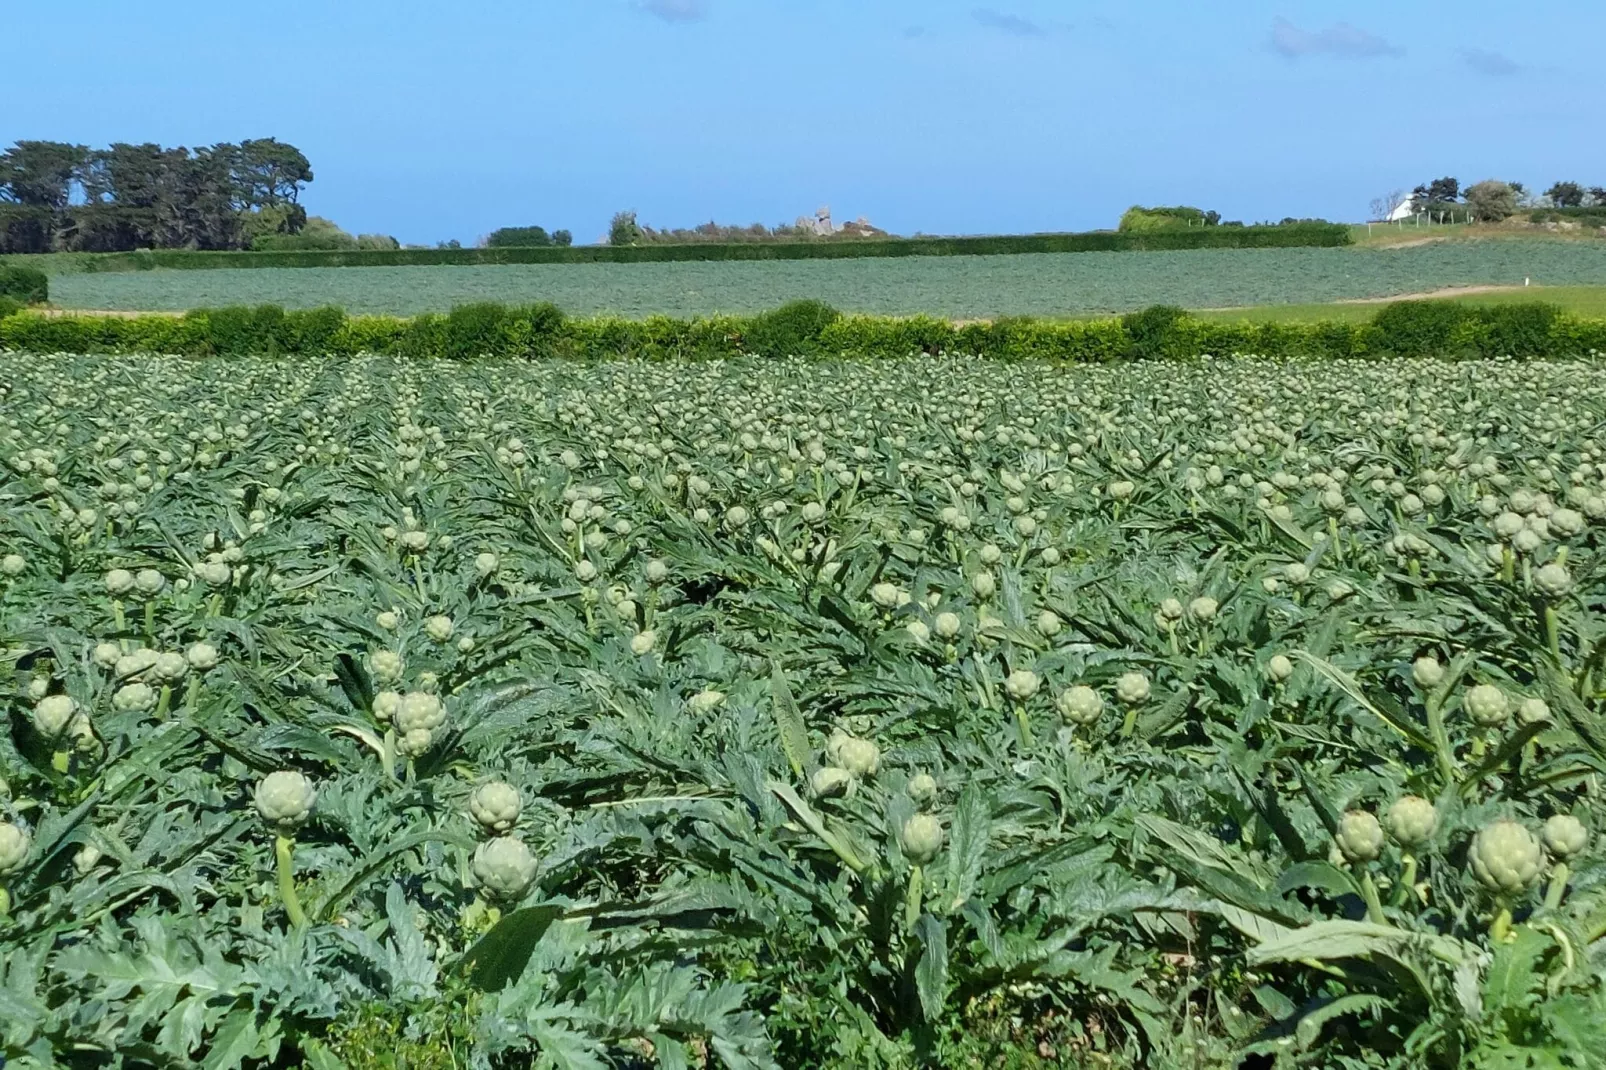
[{"x": 1059, "y": 284}]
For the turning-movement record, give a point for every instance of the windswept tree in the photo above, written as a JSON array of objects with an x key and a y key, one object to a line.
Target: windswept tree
[
  {"x": 1566, "y": 195},
  {"x": 1492, "y": 200}
]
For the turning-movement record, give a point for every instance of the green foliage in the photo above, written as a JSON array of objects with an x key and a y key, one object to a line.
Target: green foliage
[
  {"x": 25, "y": 284},
  {"x": 530, "y": 237},
  {"x": 316, "y": 235},
  {"x": 1492, "y": 200},
  {"x": 1267, "y": 237},
  {"x": 1154, "y": 332},
  {"x": 795, "y": 328},
  {"x": 1138, "y": 219},
  {"x": 812, "y": 328},
  {"x": 9, "y": 305}
]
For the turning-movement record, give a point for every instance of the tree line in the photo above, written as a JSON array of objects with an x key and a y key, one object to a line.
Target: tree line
[
  {"x": 60, "y": 197},
  {"x": 1489, "y": 201}
]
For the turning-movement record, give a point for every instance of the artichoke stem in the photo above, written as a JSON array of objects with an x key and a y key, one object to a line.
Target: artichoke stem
[
  {"x": 1407, "y": 880},
  {"x": 1500, "y": 927},
  {"x": 192, "y": 691},
  {"x": 1558, "y": 886},
  {"x": 913, "y": 899},
  {"x": 1508, "y": 565},
  {"x": 282, "y": 848},
  {"x": 164, "y": 702},
  {"x": 5, "y": 901},
  {"x": 1129, "y": 725},
  {"x": 117, "y": 615},
  {"x": 150, "y": 620},
  {"x": 61, "y": 761},
  {"x": 1025, "y": 725},
  {"x": 1553, "y": 634},
  {"x": 1374, "y": 907}
]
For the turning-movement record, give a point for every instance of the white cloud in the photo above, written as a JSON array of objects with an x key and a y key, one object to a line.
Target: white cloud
[{"x": 1340, "y": 39}]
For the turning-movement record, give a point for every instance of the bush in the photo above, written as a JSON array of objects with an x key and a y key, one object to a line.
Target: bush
[
  {"x": 27, "y": 285},
  {"x": 1138, "y": 218},
  {"x": 9, "y": 305},
  {"x": 793, "y": 329},
  {"x": 1523, "y": 330},
  {"x": 474, "y": 331},
  {"x": 1154, "y": 332},
  {"x": 1417, "y": 328}
]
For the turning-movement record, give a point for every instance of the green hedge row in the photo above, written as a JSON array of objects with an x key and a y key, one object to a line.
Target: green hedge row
[
  {"x": 24, "y": 285},
  {"x": 808, "y": 327},
  {"x": 1265, "y": 237}
]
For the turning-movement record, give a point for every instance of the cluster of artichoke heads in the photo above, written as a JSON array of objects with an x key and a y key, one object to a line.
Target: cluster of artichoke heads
[
  {"x": 850, "y": 760},
  {"x": 503, "y": 865},
  {"x": 416, "y": 715}
]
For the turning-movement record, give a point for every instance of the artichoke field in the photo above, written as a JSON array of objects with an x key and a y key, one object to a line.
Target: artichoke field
[{"x": 782, "y": 713}]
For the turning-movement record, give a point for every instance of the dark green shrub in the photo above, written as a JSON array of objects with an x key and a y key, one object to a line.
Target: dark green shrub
[
  {"x": 475, "y": 331},
  {"x": 27, "y": 285},
  {"x": 1521, "y": 330},
  {"x": 8, "y": 305},
  {"x": 793, "y": 329},
  {"x": 312, "y": 330},
  {"x": 1418, "y": 328},
  {"x": 1154, "y": 332}
]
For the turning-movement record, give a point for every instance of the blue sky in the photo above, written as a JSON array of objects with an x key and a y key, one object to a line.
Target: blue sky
[{"x": 445, "y": 120}]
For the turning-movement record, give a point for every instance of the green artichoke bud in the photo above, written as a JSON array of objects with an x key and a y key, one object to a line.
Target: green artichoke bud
[
  {"x": 119, "y": 581},
  {"x": 1022, "y": 684},
  {"x": 1049, "y": 624},
  {"x": 918, "y": 630},
  {"x": 860, "y": 757},
  {"x": 1412, "y": 820},
  {"x": 170, "y": 667},
  {"x": 13, "y": 564},
  {"x": 1505, "y": 857},
  {"x": 132, "y": 666},
  {"x": 415, "y": 742},
  {"x": 990, "y": 554},
  {"x": 1203, "y": 609},
  {"x": 643, "y": 642},
  {"x": 285, "y": 800},
  {"x": 830, "y": 782},
  {"x": 504, "y": 867},
  {"x": 1132, "y": 688},
  {"x": 1279, "y": 668},
  {"x": 1533, "y": 711},
  {"x": 1487, "y": 705},
  {"x": 486, "y": 565},
  {"x": 14, "y": 844},
  {"x": 1427, "y": 671},
  {"x": 419, "y": 711},
  {"x": 984, "y": 584},
  {"x": 1359, "y": 837},
  {"x": 149, "y": 582},
  {"x": 922, "y": 790},
  {"x": 706, "y": 701},
  {"x": 495, "y": 805},
  {"x": 133, "y": 698},
  {"x": 1553, "y": 581},
  {"x": 202, "y": 657},
  {"x": 438, "y": 628},
  {"x": 946, "y": 625},
  {"x": 386, "y": 666},
  {"x": 386, "y": 704},
  {"x": 53, "y": 714},
  {"x": 1565, "y": 837},
  {"x": 657, "y": 572},
  {"x": 885, "y": 595},
  {"x": 388, "y": 619},
  {"x": 1080, "y": 705},
  {"x": 1171, "y": 610},
  {"x": 921, "y": 838},
  {"x": 106, "y": 655},
  {"x": 86, "y": 858}
]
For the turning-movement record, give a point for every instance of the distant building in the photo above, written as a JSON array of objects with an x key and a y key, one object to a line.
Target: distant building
[{"x": 1404, "y": 211}]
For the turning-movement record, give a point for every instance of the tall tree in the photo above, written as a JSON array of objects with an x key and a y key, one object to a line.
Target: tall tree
[{"x": 1566, "y": 195}]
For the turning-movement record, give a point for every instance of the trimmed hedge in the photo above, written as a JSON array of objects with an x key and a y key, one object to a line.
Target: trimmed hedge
[
  {"x": 24, "y": 284},
  {"x": 1267, "y": 237},
  {"x": 1409, "y": 328}
]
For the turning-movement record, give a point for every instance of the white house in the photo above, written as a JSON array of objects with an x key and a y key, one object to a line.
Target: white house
[{"x": 1402, "y": 212}]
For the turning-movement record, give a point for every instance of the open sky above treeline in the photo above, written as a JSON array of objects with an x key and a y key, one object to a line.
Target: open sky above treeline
[{"x": 431, "y": 121}]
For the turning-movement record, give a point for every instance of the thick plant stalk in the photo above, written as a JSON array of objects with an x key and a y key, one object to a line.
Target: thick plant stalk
[
  {"x": 5, "y": 901},
  {"x": 1500, "y": 927},
  {"x": 1407, "y": 880},
  {"x": 283, "y": 846},
  {"x": 1374, "y": 906},
  {"x": 913, "y": 898},
  {"x": 1557, "y": 887},
  {"x": 1025, "y": 725}
]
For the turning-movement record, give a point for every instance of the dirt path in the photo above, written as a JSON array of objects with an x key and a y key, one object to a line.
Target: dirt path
[{"x": 1447, "y": 291}]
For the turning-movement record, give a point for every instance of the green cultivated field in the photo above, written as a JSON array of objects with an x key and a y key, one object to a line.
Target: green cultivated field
[{"x": 1065, "y": 284}]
